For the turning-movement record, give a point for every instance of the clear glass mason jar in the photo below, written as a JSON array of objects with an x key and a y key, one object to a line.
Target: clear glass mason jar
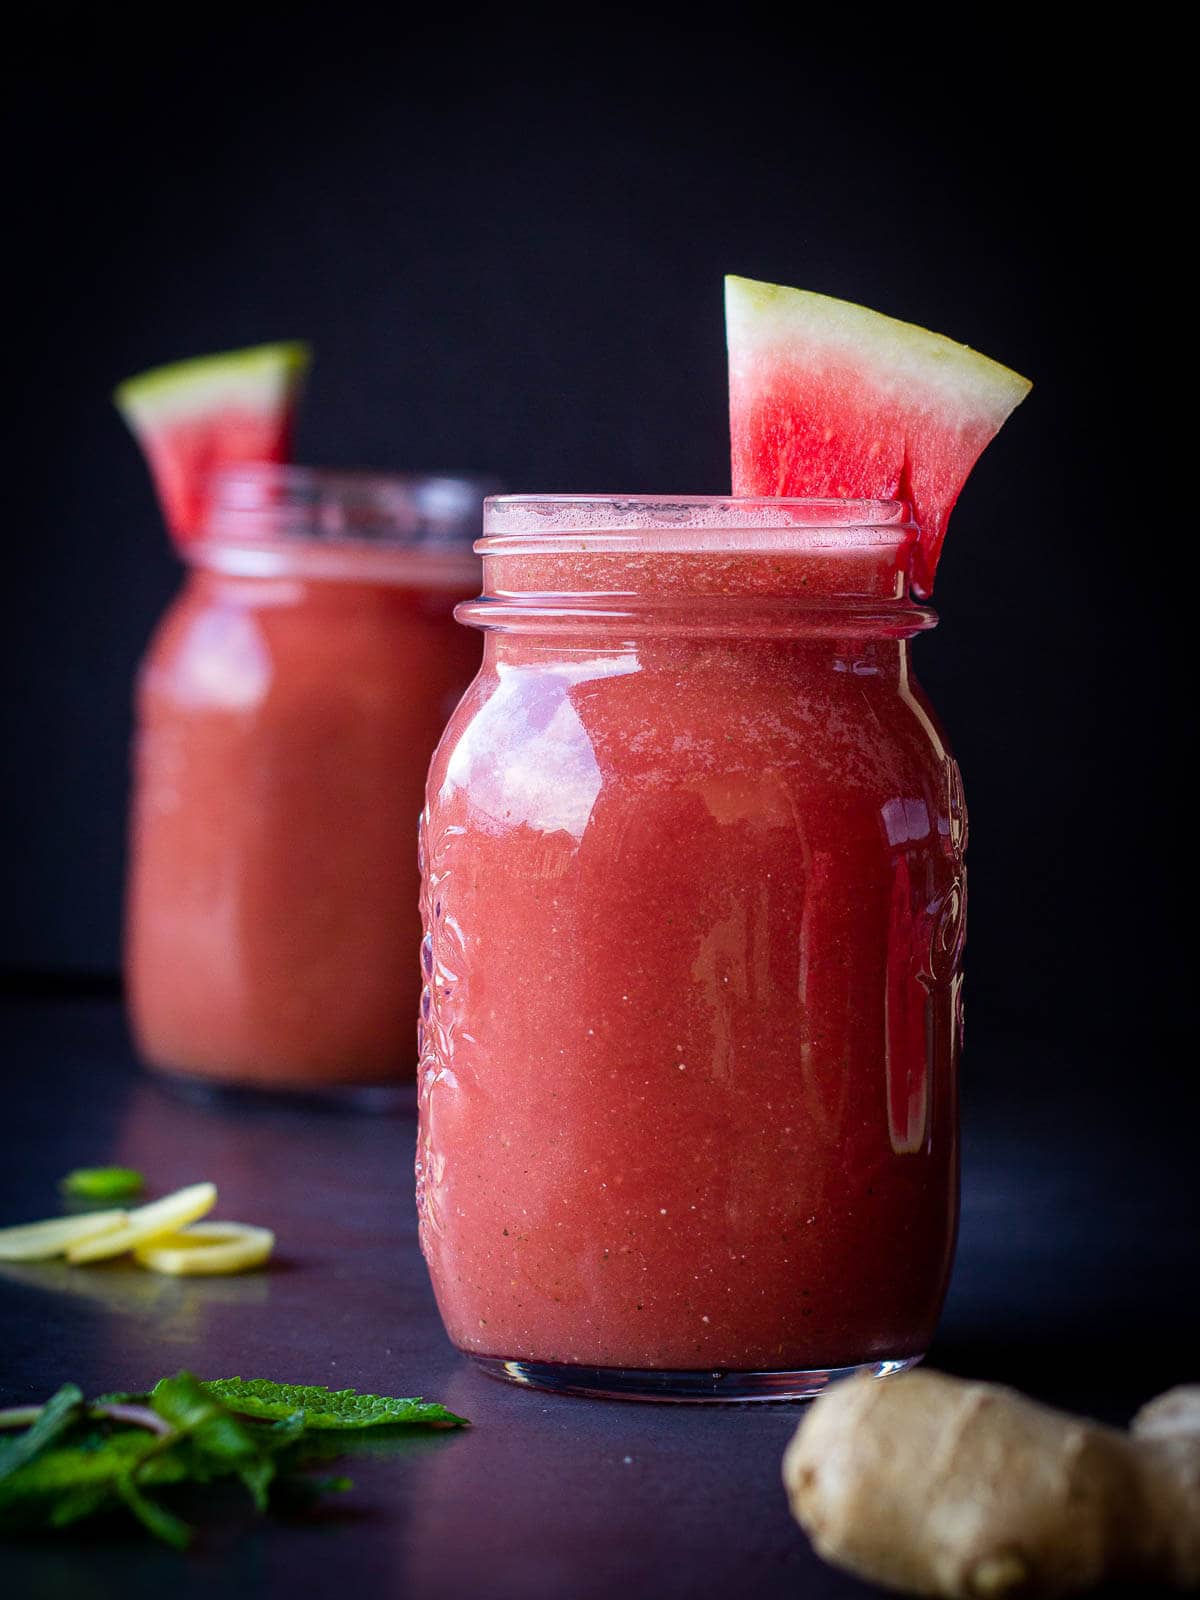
[
  {"x": 286, "y": 711},
  {"x": 694, "y": 907}
]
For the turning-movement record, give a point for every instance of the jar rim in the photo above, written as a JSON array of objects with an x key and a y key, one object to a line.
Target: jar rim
[
  {"x": 262, "y": 499},
  {"x": 534, "y": 516},
  {"x": 276, "y": 519},
  {"x": 701, "y": 565}
]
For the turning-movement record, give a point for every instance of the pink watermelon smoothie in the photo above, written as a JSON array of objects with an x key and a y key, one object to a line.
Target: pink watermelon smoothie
[
  {"x": 286, "y": 710},
  {"x": 694, "y": 902}
]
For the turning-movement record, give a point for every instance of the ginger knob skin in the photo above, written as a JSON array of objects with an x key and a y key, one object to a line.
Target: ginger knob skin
[
  {"x": 936, "y": 1486},
  {"x": 1166, "y": 1437}
]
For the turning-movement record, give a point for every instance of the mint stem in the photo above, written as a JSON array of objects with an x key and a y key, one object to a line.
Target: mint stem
[
  {"x": 139, "y": 1416},
  {"x": 20, "y": 1416}
]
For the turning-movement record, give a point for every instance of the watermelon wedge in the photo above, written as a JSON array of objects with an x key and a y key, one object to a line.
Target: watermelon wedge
[
  {"x": 828, "y": 399},
  {"x": 194, "y": 417}
]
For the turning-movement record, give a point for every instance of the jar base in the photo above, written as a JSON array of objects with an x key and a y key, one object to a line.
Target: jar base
[{"x": 630, "y": 1383}]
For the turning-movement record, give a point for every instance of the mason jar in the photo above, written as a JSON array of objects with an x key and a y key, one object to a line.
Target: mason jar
[
  {"x": 693, "y": 902},
  {"x": 286, "y": 711}
]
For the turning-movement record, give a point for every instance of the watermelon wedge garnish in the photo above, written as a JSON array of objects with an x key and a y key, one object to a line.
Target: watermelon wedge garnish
[
  {"x": 828, "y": 399},
  {"x": 194, "y": 417}
]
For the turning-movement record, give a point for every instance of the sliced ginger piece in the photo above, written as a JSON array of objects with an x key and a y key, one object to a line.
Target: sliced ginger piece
[
  {"x": 41, "y": 1241},
  {"x": 207, "y": 1248},
  {"x": 146, "y": 1223}
]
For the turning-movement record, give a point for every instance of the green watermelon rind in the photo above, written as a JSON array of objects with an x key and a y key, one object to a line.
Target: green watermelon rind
[
  {"x": 825, "y": 394},
  {"x": 768, "y": 319},
  {"x": 257, "y": 375}
]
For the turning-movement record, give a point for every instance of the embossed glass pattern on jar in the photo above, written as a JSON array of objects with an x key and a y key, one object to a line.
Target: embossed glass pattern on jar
[{"x": 693, "y": 898}]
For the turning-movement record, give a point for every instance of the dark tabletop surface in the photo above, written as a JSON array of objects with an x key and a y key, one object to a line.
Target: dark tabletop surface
[{"x": 1078, "y": 1243}]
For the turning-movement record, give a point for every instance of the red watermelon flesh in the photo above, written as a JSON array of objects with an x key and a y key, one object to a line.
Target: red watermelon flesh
[
  {"x": 194, "y": 417},
  {"x": 828, "y": 399}
]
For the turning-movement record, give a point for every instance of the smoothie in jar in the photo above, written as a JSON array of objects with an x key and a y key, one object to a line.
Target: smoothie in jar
[
  {"x": 694, "y": 896},
  {"x": 694, "y": 904},
  {"x": 286, "y": 711}
]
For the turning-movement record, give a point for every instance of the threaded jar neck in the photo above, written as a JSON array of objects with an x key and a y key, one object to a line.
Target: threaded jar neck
[
  {"x": 707, "y": 565},
  {"x": 267, "y": 520}
]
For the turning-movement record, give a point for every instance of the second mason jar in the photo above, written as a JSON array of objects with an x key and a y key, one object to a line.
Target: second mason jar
[
  {"x": 286, "y": 712},
  {"x": 694, "y": 904}
]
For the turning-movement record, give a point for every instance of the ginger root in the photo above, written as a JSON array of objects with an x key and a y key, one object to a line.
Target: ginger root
[{"x": 936, "y": 1486}]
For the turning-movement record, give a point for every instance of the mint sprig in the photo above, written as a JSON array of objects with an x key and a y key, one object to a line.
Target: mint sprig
[
  {"x": 325, "y": 1408},
  {"x": 74, "y": 1459}
]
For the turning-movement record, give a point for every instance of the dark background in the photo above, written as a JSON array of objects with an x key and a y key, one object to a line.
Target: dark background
[{"x": 505, "y": 234}]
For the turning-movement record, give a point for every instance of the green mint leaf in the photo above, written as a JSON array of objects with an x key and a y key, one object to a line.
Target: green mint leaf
[
  {"x": 73, "y": 1505},
  {"x": 258, "y": 1476},
  {"x": 185, "y": 1403},
  {"x": 102, "y": 1183},
  {"x": 56, "y": 1416},
  {"x": 72, "y": 1480},
  {"x": 163, "y": 1524},
  {"x": 325, "y": 1408},
  {"x": 222, "y": 1442}
]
